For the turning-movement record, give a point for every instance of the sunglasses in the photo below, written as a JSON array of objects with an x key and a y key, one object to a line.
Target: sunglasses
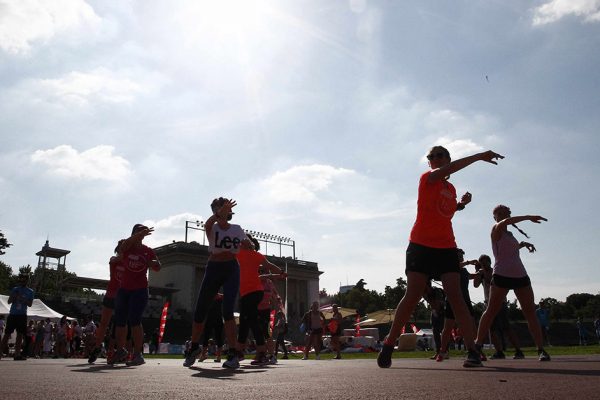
[{"x": 439, "y": 156}]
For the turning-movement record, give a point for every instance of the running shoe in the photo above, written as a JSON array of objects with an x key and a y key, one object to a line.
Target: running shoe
[
  {"x": 120, "y": 356},
  {"x": 190, "y": 358},
  {"x": 384, "y": 358},
  {"x": 273, "y": 360},
  {"x": 499, "y": 355},
  {"x": 338, "y": 357},
  {"x": 543, "y": 355},
  {"x": 473, "y": 359},
  {"x": 305, "y": 357},
  {"x": 94, "y": 355},
  {"x": 479, "y": 349},
  {"x": 138, "y": 359},
  {"x": 518, "y": 355},
  {"x": 232, "y": 362},
  {"x": 203, "y": 357},
  {"x": 20, "y": 357},
  {"x": 442, "y": 355},
  {"x": 218, "y": 359},
  {"x": 435, "y": 356},
  {"x": 261, "y": 359}
]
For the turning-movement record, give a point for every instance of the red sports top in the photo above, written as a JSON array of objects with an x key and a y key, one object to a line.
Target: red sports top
[
  {"x": 436, "y": 206},
  {"x": 136, "y": 262},
  {"x": 250, "y": 261},
  {"x": 116, "y": 272}
]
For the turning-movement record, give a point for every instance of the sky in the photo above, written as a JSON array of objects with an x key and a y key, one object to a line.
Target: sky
[{"x": 315, "y": 116}]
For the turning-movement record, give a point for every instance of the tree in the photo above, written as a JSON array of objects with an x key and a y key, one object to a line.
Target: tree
[
  {"x": 393, "y": 295},
  {"x": 3, "y": 243},
  {"x": 5, "y": 277},
  {"x": 579, "y": 300},
  {"x": 362, "y": 300}
]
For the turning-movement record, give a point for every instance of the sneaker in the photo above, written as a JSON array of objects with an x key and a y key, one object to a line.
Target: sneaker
[
  {"x": 94, "y": 355},
  {"x": 218, "y": 359},
  {"x": 518, "y": 355},
  {"x": 20, "y": 357},
  {"x": 120, "y": 356},
  {"x": 337, "y": 357},
  {"x": 435, "y": 356},
  {"x": 479, "y": 349},
  {"x": 543, "y": 355},
  {"x": 203, "y": 357},
  {"x": 190, "y": 358},
  {"x": 138, "y": 359},
  {"x": 473, "y": 359},
  {"x": 305, "y": 357},
  {"x": 261, "y": 359},
  {"x": 273, "y": 360},
  {"x": 384, "y": 358},
  {"x": 232, "y": 362},
  {"x": 110, "y": 356},
  {"x": 441, "y": 356},
  {"x": 499, "y": 355}
]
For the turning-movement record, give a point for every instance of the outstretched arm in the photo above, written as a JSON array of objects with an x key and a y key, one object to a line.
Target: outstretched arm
[
  {"x": 500, "y": 227},
  {"x": 131, "y": 240},
  {"x": 457, "y": 165},
  {"x": 527, "y": 245}
]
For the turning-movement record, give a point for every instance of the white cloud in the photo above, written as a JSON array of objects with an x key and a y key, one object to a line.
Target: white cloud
[
  {"x": 23, "y": 22},
  {"x": 302, "y": 183},
  {"x": 554, "y": 10},
  {"x": 173, "y": 228},
  {"x": 79, "y": 88},
  {"x": 97, "y": 163}
]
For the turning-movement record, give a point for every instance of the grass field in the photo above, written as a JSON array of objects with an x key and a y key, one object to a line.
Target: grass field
[{"x": 529, "y": 352}]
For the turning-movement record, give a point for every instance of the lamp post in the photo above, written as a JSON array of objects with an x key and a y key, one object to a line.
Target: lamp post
[{"x": 194, "y": 225}]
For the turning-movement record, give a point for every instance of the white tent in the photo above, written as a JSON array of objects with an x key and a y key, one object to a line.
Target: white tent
[{"x": 38, "y": 310}]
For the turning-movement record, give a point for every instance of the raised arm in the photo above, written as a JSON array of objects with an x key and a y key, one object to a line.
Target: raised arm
[
  {"x": 137, "y": 237},
  {"x": 455, "y": 166},
  {"x": 501, "y": 226}
]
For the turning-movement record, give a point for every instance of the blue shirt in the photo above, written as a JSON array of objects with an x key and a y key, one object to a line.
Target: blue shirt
[
  {"x": 22, "y": 296},
  {"x": 542, "y": 316}
]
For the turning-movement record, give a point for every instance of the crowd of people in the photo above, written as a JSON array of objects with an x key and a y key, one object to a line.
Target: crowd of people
[{"x": 237, "y": 270}]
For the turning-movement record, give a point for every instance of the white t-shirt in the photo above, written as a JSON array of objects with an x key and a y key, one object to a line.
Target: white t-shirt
[{"x": 226, "y": 240}]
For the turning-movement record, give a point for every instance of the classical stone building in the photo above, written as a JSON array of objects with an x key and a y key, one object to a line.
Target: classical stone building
[{"x": 183, "y": 266}]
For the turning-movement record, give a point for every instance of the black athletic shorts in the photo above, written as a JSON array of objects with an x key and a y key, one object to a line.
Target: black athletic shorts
[
  {"x": 431, "y": 261},
  {"x": 16, "y": 323},
  {"x": 510, "y": 283},
  {"x": 108, "y": 302}
]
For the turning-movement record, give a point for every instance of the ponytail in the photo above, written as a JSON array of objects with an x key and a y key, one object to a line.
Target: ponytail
[{"x": 520, "y": 230}]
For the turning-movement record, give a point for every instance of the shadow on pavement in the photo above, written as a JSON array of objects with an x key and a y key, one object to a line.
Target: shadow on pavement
[{"x": 224, "y": 373}]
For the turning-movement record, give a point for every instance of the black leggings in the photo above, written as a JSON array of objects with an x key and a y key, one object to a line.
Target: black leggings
[
  {"x": 249, "y": 318},
  {"x": 217, "y": 274},
  {"x": 280, "y": 342},
  {"x": 218, "y": 330}
]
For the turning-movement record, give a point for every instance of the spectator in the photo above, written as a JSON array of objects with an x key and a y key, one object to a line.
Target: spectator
[
  {"x": 543, "y": 316},
  {"x": 279, "y": 331},
  {"x": 21, "y": 297},
  {"x": 313, "y": 321},
  {"x": 581, "y": 332},
  {"x": 597, "y": 327}
]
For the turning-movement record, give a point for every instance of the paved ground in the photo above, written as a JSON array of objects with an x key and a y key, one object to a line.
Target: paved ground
[{"x": 562, "y": 378}]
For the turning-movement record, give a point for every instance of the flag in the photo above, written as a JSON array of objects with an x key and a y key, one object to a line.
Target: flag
[{"x": 163, "y": 322}]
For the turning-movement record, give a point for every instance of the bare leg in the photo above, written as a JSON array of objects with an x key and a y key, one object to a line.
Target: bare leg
[
  {"x": 446, "y": 334},
  {"x": 497, "y": 296},
  {"x": 416, "y": 283},
  {"x": 526, "y": 300},
  {"x": 451, "y": 284}
]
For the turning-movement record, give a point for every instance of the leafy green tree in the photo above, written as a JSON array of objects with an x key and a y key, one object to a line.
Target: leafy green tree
[
  {"x": 579, "y": 300},
  {"x": 393, "y": 295},
  {"x": 5, "y": 277},
  {"x": 3, "y": 243}
]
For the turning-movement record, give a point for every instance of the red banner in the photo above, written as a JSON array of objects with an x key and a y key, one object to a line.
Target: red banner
[
  {"x": 357, "y": 334},
  {"x": 163, "y": 322}
]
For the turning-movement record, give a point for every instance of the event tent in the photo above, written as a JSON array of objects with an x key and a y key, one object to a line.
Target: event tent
[{"x": 38, "y": 310}]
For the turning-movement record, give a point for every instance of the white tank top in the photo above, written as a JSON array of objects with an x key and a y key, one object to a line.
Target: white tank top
[
  {"x": 226, "y": 240},
  {"x": 507, "y": 260}
]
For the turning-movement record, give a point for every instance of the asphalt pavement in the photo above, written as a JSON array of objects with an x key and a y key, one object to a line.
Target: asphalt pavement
[{"x": 563, "y": 377}]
